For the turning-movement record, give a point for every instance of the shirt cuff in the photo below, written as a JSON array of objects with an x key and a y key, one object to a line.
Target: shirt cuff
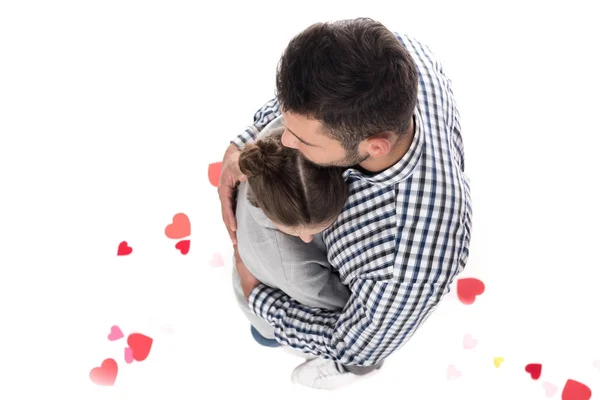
[
  {"x": 248, "y": 136},
  {"x": 265, "y": 300}
]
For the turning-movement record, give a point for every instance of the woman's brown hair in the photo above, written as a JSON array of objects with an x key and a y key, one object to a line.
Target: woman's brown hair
[{"x": 289, "y": 189}]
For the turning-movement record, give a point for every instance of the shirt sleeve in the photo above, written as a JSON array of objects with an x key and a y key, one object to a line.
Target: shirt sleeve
[
  {"x": 453, "y": 120},
  {"x": 267, "y": 113},
  {"x": 379, "y": 317}
]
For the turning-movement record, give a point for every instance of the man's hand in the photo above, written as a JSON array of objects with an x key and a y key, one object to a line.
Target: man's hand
[
  {"x": 248, "y": 280},
  {"x": 228, "y": 180}
]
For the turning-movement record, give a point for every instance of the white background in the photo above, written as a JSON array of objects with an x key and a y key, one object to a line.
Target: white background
[{"x": 110, "y": 113}]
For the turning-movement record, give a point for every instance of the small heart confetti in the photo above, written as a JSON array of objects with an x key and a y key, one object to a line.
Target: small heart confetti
[
  {"x": 216, "y": 260},
  {"x": 469, "y": 342},
  {"x": 179, "y": 228},
  {"x": 453, "y": 373},
  {"x": 183, "y": 246},
  {"x": 596, "y": 364},
  {"x": 574, "y": 390},
  {"x": 498, "y": 361},
  {"x": 128, "y": 355},
  {"x": 214, "y": 173},
  {"x": 115, "y": 333},
  {"x": 469, "y": 288},
  {"x": 106, "y": 374},
  {"x": 124, "y": 249},
  {"x": 550, "y": 389},
  {"x": 535, "y": 370},
  {"x": 140, "y": 345}
]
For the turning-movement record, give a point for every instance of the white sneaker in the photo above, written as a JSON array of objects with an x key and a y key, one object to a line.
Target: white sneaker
[{"x": 321, "y": 373}]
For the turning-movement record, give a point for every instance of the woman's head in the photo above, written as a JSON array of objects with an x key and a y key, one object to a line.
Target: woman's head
[{"x": 299, "y": 197}]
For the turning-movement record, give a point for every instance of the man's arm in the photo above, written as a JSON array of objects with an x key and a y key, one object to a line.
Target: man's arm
[
  {"x": 379, "y": 317},
  {"x": 267, "y": 113},
  {"x": 457, "y": 139}
]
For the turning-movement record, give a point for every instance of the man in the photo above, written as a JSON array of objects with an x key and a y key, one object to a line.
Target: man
[{"x": 352, "y": 93}]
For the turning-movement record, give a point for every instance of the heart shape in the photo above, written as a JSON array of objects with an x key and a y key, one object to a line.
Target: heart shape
[
  {"x": 596, "y": 364},
  {"x": 140, "y": 345},
  {"x": 183, "y": 246},
  {"x": 469, "y": 288},
  {"x": 124, "y": 249},
  {"x": 105, "y": 374},
  {"x": 216, "y": 260},
  {"x": 453, "y": 373},
  {"x": 498, "y": 361},
  {"x": 574, "y": 390},
  {"x": 128, "y": 355},
  {"x": 214, "y": 173},
  {"x": 179, "y": 228},
  {"x": 550, "y": 389},
  {"x": 535, "y": 370},
  {"x": 115, "y": 333},
  {"x": 469, "y": 342}
]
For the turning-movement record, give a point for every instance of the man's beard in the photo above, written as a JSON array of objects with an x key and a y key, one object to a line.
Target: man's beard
[{"x": 351, "y": 159}]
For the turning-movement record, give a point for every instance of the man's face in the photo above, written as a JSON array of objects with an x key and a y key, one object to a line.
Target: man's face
[{"x": 304, "y": 135}]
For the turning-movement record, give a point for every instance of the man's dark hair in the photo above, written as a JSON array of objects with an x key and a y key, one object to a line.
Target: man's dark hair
[{"x": 354, "y": 76}]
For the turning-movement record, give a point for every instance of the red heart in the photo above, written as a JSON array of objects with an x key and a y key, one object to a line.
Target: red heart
[
  {"x": 535, "y": 370},
  {"x": 140, "y": 345},
  {"x": 106, "y": 374},
  {"x": 180, "y": 227},
  {"x": 214, "y": 172},
  {"x": 183, "y": 246},
  {"x": 124, "y": 249},
  {"x": 468, "y": 288},
  {"x": 574, "y": 390}
]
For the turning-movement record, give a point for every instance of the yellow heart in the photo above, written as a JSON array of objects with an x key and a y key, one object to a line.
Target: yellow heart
[{"x": 498, "y": 361}]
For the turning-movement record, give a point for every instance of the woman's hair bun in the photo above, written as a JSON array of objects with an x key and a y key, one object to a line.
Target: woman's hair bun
[{"x": 264, "y": 158}]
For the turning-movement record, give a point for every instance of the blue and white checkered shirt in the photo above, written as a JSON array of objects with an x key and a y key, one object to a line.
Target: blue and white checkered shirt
[{"x": 399, "y": 242}]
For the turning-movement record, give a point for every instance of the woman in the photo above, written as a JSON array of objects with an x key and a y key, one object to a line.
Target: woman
[{"x": 281, "y": 209}]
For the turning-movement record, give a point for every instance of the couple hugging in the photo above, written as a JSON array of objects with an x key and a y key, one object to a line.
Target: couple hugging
[{"x": 347, "y": 200}]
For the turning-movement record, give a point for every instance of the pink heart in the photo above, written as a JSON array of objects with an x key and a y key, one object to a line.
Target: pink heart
[
  {"x": 596, "y": 364},
  {"x": 216, "y": 260},
  {"x": 575, "y": 390},
  {"x": 550, "y": 389},
  {"x": 183, "y": 246},
  {"x": 453, "y": 373},
  {"x": 128, "y": 355},
  {"x": 468, "y": 289},
  {"x": 115, "y": 333},
  {"x": 180, "y": 227},
  {"x": 469, "y": 342}
]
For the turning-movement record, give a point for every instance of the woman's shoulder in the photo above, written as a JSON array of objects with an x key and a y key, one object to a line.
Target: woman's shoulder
[{"x": 255, "y": 213}]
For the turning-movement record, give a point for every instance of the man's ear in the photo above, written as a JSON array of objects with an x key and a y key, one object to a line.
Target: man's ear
[{"x": 379, "y": 145}]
